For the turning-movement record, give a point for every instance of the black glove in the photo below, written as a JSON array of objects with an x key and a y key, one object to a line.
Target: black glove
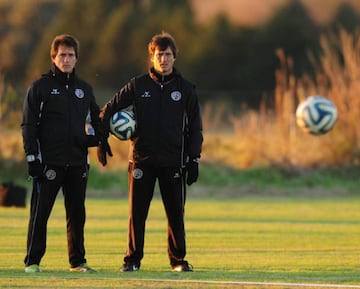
[
  {"x": 92, "y": 141},
  {"x": 102, "y": 151},
  {"x": 192, "y": 171},
  {"x": 35, "y": 168}
]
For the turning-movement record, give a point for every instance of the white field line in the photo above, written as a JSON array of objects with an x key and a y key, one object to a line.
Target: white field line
[
  {"x": 249, "y": 283},
  {"x": 314, "y": 285}
]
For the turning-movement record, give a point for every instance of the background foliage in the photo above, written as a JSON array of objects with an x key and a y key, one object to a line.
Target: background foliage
[{"x": 224, "y": 60}]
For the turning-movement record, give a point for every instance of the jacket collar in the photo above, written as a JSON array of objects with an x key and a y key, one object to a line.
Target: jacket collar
[
  {"x": 65, "y": 78},
  {"x": 163, "y": 78}
]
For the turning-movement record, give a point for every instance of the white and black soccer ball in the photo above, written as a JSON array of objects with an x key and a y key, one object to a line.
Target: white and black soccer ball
[
  {"x": 316, "y": 115},
  {"x": 123, "y": 124}
]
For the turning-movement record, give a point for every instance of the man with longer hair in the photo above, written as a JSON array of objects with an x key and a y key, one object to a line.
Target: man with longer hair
[
  {"x": 56, "y": 109},
  {"x": 166, "y": 147}
]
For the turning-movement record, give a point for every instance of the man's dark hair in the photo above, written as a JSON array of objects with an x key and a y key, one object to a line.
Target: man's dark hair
[
  {"x": 162, "y": 41},
  {"x": 66, "y": 40}
]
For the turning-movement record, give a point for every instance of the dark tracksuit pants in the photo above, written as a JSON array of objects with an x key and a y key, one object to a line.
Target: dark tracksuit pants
[
  {"x": 141, "y": 190},
  {"x": 73, "y": 181}
]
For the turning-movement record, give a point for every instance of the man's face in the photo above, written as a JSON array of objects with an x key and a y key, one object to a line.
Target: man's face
[
  {"x": 65, "y": 58},
  {"x": 163, "y": 61}
]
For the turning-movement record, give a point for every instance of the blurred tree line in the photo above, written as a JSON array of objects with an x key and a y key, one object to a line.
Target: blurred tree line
[{"x": 224, "y": 61}]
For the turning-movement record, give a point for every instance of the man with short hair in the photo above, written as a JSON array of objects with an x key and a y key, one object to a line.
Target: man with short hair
[
  {"x": 166, "y": 147},
  {"x": 56, "y": 109}
]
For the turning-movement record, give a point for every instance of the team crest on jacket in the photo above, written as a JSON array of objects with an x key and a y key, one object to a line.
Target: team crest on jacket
[
  {"x": 79, "y": 93},
  {"x": 137, "y": 174},
  {"x": 176, "y": 95}
]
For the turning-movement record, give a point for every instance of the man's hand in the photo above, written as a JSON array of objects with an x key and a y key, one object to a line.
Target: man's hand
[
  {"x": 92, "y": 141},
  {"x": 35, "y": 169},
  {"x": 102, "y": 151},
  {"x": 192, "y": 171}
]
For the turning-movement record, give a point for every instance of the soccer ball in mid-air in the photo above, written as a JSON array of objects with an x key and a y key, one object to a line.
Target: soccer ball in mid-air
[
  {"x": 316, "y": 115},
  {"x": 123, "y": 124}
]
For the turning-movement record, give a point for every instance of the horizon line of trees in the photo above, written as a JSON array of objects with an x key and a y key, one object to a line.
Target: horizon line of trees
[{"x": 223, "y": 60}]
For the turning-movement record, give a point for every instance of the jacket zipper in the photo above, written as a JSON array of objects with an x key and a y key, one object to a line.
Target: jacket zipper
[
  {"x": 69, "y": 123},
  {"x": 159, "y": 135}
]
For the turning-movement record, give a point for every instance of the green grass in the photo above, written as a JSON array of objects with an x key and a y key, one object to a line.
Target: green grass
[{"x": 251, "y": 239}]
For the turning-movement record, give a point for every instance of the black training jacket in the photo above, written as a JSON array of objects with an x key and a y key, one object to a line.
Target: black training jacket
[
  {"x": 55, "y": 110},
  {"x": 168, "y": 119}
]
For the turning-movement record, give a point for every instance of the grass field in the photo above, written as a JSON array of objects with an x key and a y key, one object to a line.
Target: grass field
[{"x": 233, "y": 243}]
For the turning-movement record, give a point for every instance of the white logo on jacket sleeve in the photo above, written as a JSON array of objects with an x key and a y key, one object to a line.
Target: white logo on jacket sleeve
[
  {"x": 176, "y": 95},
  {"x": 79, "y": 93}
]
